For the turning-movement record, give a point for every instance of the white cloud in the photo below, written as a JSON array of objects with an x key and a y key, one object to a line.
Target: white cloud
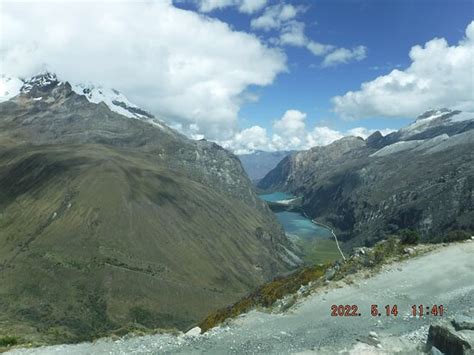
[
  {"x": 290, "y": 133},
  {"x": 282, "y": 18},
  {"x": 247, "y": 140},
  {"x": 291, "y": 124},
  {"x": 274, "y": 17},
  {"x": 321, "y": 136},
  {"x": 292, "y": 34},
  {"x": 360, "y": 132},
  {"x": 180, "y": 65},
  {"x": 251, "y": 6},
  {"x": 211, "y": 5},
  {"x": 244, "y": 6},
  {"x": 344, "y": 55},
  {"x": 318, "y": 48},
  {"x": 364, "y": 132},
  {"x": 439, "y": 76}
]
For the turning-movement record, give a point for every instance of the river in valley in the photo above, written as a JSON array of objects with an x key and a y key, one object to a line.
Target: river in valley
[{"x": 316, "y": 242}]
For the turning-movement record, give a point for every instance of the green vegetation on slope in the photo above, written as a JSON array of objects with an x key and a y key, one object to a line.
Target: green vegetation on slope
[
  {"x": 266, "y": 295},
  {"x": 370, "y": 259},
  {"x": 109, "y": 223},
  {"x": 318, "y": 251},
  {"x": 96, "y": 238}
]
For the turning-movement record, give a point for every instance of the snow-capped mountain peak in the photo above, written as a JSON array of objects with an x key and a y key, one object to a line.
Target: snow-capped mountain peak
[
  {"x": 11, "y": 86},
  {"x": 434, "y": 118},
  {"x": 116, "y": 101},
  {"x": 41, "y": 81},
  {"x": 431, "y": 114}
]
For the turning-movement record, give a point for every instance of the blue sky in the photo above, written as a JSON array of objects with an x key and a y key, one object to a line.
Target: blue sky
[
  {"x": 387, "y": 28},
  {"x": 255, "y": 74}
]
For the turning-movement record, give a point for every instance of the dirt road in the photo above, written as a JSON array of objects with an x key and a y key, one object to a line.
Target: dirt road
[{"x": 442, "y": 277}]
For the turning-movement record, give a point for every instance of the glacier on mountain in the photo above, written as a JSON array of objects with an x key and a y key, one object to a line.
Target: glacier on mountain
[{"x": 11, "y": 86}]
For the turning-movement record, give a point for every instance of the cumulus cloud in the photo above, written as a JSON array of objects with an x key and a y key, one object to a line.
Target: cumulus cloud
[
  {"x": 282, "y": 18},
  {"x": 275, "y": 16},
  {"x": 365, "y": 132},
  {"x": 321, "y": 136},
  {"x": 344, "y": 55},
  {"x": 319, "y": 49},
  {"x": 291, "y": 124},
  {"x": 248, "y": 140},
  {"x": 244, "y": 6},
  {"x": 290, "y": 133},
  {"x": 440, "y": 75},
  {"x": 292, "y": 33},
  {"x": 182, "y": 66}
]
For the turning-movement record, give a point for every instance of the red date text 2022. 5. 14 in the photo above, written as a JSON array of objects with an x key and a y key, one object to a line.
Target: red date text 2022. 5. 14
[{"x": 353, "y": 310}]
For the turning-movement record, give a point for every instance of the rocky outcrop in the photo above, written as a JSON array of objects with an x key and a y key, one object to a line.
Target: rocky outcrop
[
  {"x": 375, "y": 140},
  {"x": 455, "y": 337}
]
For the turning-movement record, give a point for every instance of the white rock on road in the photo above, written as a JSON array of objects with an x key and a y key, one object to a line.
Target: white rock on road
[{"x": 194, "y": 332}]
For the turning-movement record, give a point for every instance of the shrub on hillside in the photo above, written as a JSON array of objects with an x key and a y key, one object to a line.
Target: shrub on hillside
[
  {"x": 8, "y": 341},
  {"x": 266, "y": 295},
  {"x": 456, "y": 236},
  {"x": 410, "y": 236}
]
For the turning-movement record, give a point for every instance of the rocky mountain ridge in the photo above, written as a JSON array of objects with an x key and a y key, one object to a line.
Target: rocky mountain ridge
[
  {"x": 420, "y": 177},
  {"x": 45, "y": 96},
  {"x": 115, "y": 100},
  {"x": 108, "y": 220}
]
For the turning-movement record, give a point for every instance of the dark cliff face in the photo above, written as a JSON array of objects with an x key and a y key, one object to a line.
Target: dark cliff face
[
  {"x": 421, "y": 177},
  {"x": 296, "y": 172},
  {"x": 276, "y": 178},
  {"x": 107, "y": 220}
]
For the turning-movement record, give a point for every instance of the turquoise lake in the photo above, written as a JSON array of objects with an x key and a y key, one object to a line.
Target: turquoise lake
[{"x": 295, "y": 223}]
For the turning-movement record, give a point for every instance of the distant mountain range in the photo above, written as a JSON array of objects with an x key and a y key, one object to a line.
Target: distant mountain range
[
  {"x": 109, "y": 219},
  {"x": 259, "y": 163},
  {"x": 420, "y": 177}
]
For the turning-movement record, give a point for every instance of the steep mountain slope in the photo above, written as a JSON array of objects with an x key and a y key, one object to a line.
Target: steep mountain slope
[
  {"x": 421, "y": 177},
  {"x": 108, "y": 220},
  {"x": 259, "y": 163},
  {"x": 309, "y": 328}
]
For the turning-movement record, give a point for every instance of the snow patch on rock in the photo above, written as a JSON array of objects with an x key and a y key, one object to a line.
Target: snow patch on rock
[
  {"x": 41, "y": 80},
  {"x": 429, "y": 143},
  {"x": 397, "y": 147},
  {"x": 115, "y": 100},
  {"x": 458, "y": 139},
  {"x": 462, "y": 116},
  {"x": 441, "y": 117}
]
